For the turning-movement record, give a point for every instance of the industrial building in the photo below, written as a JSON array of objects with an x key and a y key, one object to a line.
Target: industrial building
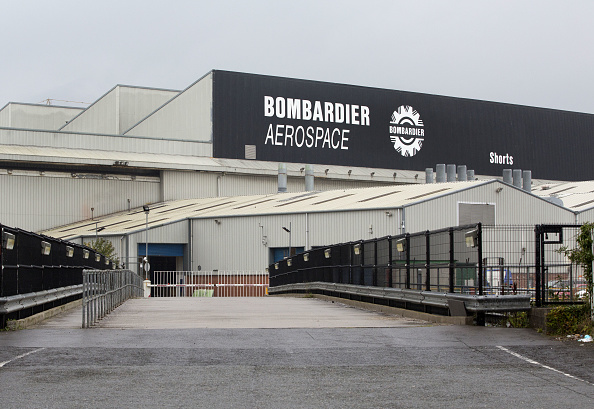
[{"x": 206, "y": 162}]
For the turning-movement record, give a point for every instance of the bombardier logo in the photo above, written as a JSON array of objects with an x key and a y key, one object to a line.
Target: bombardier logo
[{"x": 406, "y": 131}]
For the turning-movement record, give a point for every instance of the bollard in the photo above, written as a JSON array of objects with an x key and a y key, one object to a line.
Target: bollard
[{"x": 147, "y": 289}]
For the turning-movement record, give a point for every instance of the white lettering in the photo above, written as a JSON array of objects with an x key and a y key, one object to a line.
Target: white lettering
[
  {"x": 339, "y": 110},
  {"x": 344, "y": 139},
  {"x": 317, "y": 114},
  {"x": 280, "y": 107},
  {"x": 297, "y": 143},
  {"x": 364, "y": 115},
  {"x": 328, "y": 112},
  {"x": 279, "y": 129},
  {"x": 289, "y": 130},
  {"x": 268, "y": 106},
  {"x": 355, "y": 114},
  {"x": 310, "y": 139},
  {"x": 269, "y": 135},
  {"x": 337, "y": 145},
  {"x": 306, "y": 110},
  {"x": 293, "y": 108},
  {"x": 319, "y": 135}
]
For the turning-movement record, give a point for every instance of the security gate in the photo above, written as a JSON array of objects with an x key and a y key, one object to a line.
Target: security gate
[{"x": 209, "y": 284}]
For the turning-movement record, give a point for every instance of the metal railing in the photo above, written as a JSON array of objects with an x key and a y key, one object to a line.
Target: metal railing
[
  {"x": 104, "y": 290},
  {"x": 209, "y": 284}
]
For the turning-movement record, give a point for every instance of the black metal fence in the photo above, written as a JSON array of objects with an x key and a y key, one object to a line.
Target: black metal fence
[
  {"x": 471, "y": 259},
  {"x": 447, "y": 260},
  {"x": 32, "y": 263}
]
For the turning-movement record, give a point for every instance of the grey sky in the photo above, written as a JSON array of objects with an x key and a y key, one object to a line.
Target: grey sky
[{"x": 537, "y": 53}]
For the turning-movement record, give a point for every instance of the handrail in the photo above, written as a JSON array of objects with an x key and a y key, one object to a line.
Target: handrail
[{"x": 104, "y": 290}]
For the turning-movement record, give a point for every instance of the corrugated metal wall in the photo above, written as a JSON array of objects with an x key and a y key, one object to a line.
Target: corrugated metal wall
[
  {"x": 33, "y": 116},
  {"x": 512, "y": 207},
  {"x": 32, "y": 201},
  {"x": 586, "y": 216},
  {"x": 99, "y": 117},
  {"x": 186, "y": 117},
  {"x": 137, "y": 103},
  {"x": 190, "y": 185},
  {"x": 245, "y": 243},
  {"x": 115, "y": 144}
]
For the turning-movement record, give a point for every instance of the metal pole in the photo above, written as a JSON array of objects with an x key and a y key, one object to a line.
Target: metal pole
[{"x": 146, "y": 248}]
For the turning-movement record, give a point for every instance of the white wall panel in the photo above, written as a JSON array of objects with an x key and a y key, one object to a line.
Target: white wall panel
[
  {"x": 100, "y": 117},
  {"x": 186, "y": 117},
  {"x": 136, "y": 103},
  {"x": 32, "y": 116},
  {"x": 41, "y": 202},
  {"x": 104, "y": 142},
  {"x": 512, "y": 207}
]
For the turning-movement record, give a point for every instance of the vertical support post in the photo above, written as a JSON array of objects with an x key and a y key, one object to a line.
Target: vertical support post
[
  {"x": 389, "y": 278},
  {"x": 427, "y": 261},
  {"x": 537, "y": 248},
  {"x": 480, "y": 316},
  {"x": 407, "y": 249},
  {"x": 375, "y": 281},
  {"x": 451, "y": 267}
]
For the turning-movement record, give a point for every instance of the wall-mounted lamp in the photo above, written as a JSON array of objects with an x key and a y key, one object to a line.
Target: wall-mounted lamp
[
  {"x": 350, "y": 171},
  {"x": 45, "y": 248},
  {"x": 326, "y": 171},
  {"x": 217, "y": 221},
  {"x": 106, "y": 261},
  {"x": 357, "y": 249},
  {"x": 69, "y": 251},
  {"x": 289, "y": 262},
  {"x": 498, "y": 190},
  {"x": 401, "y": 245},
  {"x": 471, "y": 238},
  {"x": 8, "y": 240},
  {"x": 305, "y": 256},
  {"x": 372, "y": 173},
  {"x": 276, "y": 266},
  {"x": 97, "y": 257},
  {"x": 389, "y": 214},
  {"x": 85, "y": 253},
  {"x": 327, "y": 253}
]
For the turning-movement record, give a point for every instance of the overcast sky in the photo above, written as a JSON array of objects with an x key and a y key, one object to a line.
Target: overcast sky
[{"x": 537, "y": 53}]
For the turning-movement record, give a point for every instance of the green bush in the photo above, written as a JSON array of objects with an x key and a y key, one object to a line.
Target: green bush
[{"x": 569, "y": 319}]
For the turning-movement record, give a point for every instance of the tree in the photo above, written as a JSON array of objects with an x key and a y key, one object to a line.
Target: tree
[
  {"x": 582, "y": 255},
  {"x": 106, "y": 248}
]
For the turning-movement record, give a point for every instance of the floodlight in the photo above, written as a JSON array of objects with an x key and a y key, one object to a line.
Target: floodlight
[
  {"x": 97, "y": 257},
  {"x": 69, "y": 251},
  {"x": 8, "y": 240},
  {"x": 85, "y": 253},
  {"x": 305, "y": 256},
  {"x": 357, "y": 249},
  {"x": 327, "y": 253},
  {"x": 289, "y": 262},
  {"x": 401, "y": 245},
  {"x": 45, "y": 248},
  {"x": 471, "y": 238}
]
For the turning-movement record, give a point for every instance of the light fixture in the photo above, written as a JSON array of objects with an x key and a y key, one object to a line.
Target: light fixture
[
  {"x": 327, "y": 253},
  {"x": 8, "y": 240},
  {"x": 499, "y": 189},
  {"x": 106, "y": 261},
  {"x": 357, "y": 249},
  {"x": 289, "y": 262},
  {"x": 389, "y": 214},
  {"x": 69, "y": 251},
  {"x": 305, "y": 256},
  {"x": 85, "y": 253},
  {"x": 146, "y": 208},
  {"x": 276, "y": 266},
  {"x": 401, "y": 245},
  {"x": 97, "y": 257},
  {"x": 217, "y": 221},
  {"x": 45, "y": 248},
  {"x": 471, "y": 238}
]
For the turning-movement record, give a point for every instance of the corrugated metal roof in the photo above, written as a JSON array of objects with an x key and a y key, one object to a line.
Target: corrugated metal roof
[
  {"x": 385, "y": 197},
  {"x": 576, "y": 196}
]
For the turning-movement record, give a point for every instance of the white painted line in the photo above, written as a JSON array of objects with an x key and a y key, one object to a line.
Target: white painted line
[
  {"x": 20, "y": 356},
  {"x": 531, "y": 361}
]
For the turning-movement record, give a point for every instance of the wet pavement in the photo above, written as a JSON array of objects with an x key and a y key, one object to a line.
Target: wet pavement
[{"x": 285, "y": 352}]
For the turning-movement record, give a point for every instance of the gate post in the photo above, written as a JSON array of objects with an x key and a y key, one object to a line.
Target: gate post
[
  {"x": 537, "y": 251},
  {"x": 427, "y": 261},
  {"x": 451, "y": 278}
]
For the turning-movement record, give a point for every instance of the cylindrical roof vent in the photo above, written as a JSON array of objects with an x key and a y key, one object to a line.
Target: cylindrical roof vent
[
  {"x": 527, "y": 180},
  {"x": 470, "y": 174},
  {"x": 451, "y": 173},
  {"x": 517, "y": 178},
  {"x": 440, "y": 168},
  {"x": 309, "y": 178},
  {"x": 462, "y": 173},
  {"x": 507, "y": 176},
  {"x": 282, "y": 178},
  {"x": 428, "y": 175}
]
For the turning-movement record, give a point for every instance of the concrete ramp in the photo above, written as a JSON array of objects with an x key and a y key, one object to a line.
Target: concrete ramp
[{"x": 248, "y": 312}]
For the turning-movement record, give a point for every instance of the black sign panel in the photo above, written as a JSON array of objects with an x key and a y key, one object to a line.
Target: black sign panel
[{"x": 299, "y": 121}]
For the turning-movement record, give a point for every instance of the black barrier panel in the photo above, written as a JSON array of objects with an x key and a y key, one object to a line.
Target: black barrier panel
[{"x": 33, "y": 263}]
